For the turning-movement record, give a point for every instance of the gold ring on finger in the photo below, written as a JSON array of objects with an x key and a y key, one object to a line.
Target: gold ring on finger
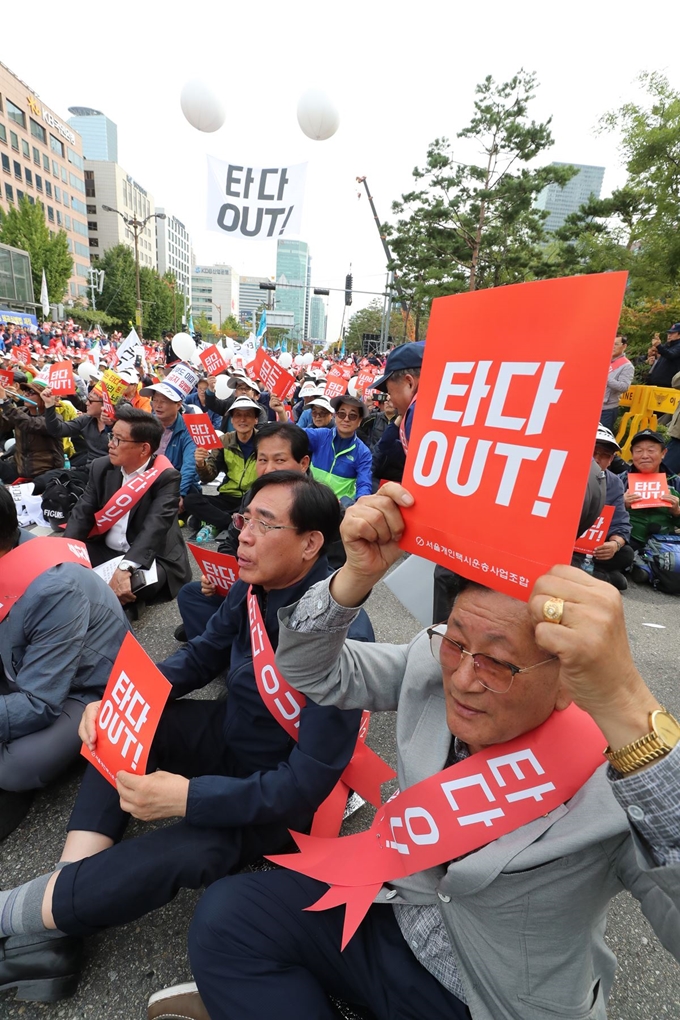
[{"x": 553, "y": 608}]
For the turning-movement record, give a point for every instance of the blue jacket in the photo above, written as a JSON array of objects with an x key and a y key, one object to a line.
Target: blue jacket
[
  {"x": 344, "y": 458},
  {"x": 280, "y": 781},
  {"x": 388, "y": 456},
  {"x": 59, "y": 641},
  {"x": 215, "y": 418},
  {"x": 620, "y": 524},
  {"x": 181, "y": 452}
]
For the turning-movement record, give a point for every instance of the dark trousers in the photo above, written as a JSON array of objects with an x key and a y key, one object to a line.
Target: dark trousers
[
  {"x": 255, "y": 952},
  {"x": 216, "y": 510},
  {"x": 621, "y": 560},
  {"x": 33, "y": 761},
  {"x": 196, "y": 609},
  {"x": 607, "y": 418},
  {"x": 137, "y": 875}
]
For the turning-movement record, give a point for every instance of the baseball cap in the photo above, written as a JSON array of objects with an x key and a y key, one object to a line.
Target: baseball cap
[
  {"x": 166, "y": 389},
  {"x": 675, "y": 328},
  {"x": 654, "y": 437},
  {"x": 323, "y": 403},
  {"x": 345, "y": 398},
  {"x": 606, "y": 437},
  {"x": 129, "y": 377},
  {"x": 309, "y": 389},
  {"x": 240, "y": 377},
  {"x": 403, "y": 357}
]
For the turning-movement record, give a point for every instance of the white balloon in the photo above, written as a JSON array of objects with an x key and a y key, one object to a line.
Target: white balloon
[
  {"x": 297, "y": 360},
  {"x": 183, "y": 345},
  {"x": 201, "y": 106},
  {"x": 317, "y": 115},
  {"x": 86, "y": 370},
  {"x": 222, "y": 389},
  {"x": 352, "y": 387},
  {"x": 285, "y": 360},
  {"x": 307, "y": 359}
]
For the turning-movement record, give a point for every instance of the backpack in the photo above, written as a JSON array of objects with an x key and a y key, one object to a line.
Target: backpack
[
  {"x": 59, "y": 497},
  {"x": 662, "y": 556}
]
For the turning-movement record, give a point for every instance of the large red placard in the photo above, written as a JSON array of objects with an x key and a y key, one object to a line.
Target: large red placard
[
  {"x": 503, "y": 433},
  {"x": 202, "y": 431}
]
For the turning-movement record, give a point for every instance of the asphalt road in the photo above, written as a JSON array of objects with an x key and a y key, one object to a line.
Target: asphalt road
[{"x": 124, "y": 966}]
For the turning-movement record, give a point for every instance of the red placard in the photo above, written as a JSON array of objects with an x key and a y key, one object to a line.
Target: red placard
[
  {"x": 202, "y": 431},
  {"x": 132, "y": 704},
  {"x": 364, "y": 380},
  {"x": 336, "y": 385},
  {"x": 62, "y": 381},
  {"x": 650, "y": 488},
  {"x": 273, "y": 377},
  {"x": 219, "y": 568},
  {"x": 504, "y": 426},
  {"x": 6, "y": 378},
  {"x": 212, "y": 360},
  {"x": 595, "y": 536}
]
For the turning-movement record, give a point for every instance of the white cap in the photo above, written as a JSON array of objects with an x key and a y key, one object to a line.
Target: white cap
[
  {"x": 241, "y": 377},
  {"x": 128, "y": 376},
  {"x": 246, "y": 403},
  {"x": 605, "y": 436},
  {"x": 309, "y": 390},
  {"x": 321, "y": 402},
  {"x": 166, "y": 390}
]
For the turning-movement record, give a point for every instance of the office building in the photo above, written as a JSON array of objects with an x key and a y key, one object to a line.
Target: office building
[
  {"x": 293, "y": 268},
  {"x": 174, "y": 254},
  {"x": 250, "y": 298},
  {"x": 560, "y": 202},
  {"x": 42, "y": 158},
  {"x": 99, "y": 134},
  {"x": 108, "y": 184},
  {"x": 214, "y": 292},
  {"x": 317, "y": 318}
]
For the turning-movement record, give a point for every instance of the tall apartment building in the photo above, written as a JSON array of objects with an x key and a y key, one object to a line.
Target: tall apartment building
[
  {"x": 106, "y": 183},
  {"x": 99, "y": 134},
  {"x": 174, "y": 254},
  {"x": 317, "y": 318},
  {"x": 560, "y": 202},
  {"x": 214, "y": 292},
  {"x": 294, "y": 266},
  {"x": 42, "y": 158}
]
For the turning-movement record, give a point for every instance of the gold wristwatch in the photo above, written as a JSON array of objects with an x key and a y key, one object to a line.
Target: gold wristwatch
[{"x": 664, "y": 735}]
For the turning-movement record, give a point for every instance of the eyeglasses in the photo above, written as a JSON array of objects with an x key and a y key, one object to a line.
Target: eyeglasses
[
  {"x": 257, "y": 526},
  {"x": 493, "y": 674},
  {"x": 341, "y": 416},
  {"x": 93, "y": 400},
  {"x": 116, "y": 441}
]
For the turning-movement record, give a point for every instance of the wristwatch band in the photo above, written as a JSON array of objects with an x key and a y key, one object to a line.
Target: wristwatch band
[{"x": 643, "y": 751}]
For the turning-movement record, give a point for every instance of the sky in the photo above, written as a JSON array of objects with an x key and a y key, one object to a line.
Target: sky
[{"x": 400, "y": 74}]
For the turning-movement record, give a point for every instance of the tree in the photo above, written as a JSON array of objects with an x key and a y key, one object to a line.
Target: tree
[
  {"x": 369, "y": 320},
  {"x": 157, "y": 304},
  {"x": 650, "y": 146},
  {"x": 203, "y": 325},
  {"x": 24, "y": 227},
  {"x": 118, "y": 297},
  {"x": 232, "y": 327},
  {"x": 471, "y": 226}
]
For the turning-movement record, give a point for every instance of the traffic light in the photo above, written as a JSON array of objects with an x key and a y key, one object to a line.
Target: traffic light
[{"x": 348, "y": 289}]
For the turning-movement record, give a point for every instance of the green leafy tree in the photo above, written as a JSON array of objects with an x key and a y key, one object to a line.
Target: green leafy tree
[
  {"x": 24, "y": 227},
  {"x": 202, "y": 324},
  {"x": 471, "y": 226},
  {"x": 118, "y": 297},
  {"x": 369, "y": 320},
  {"x": 157, "y": 303},
  {"x": 232, "y": 327}
]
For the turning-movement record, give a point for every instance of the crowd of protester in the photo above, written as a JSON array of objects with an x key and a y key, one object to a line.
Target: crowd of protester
[{"x": 305, "y": 493}]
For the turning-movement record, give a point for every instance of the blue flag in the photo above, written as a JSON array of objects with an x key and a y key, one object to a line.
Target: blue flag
[{"x": 263, "y": 324}]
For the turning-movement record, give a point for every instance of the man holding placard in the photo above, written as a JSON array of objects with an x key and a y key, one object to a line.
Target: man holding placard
[
  {"x": 481, "y": 890},
  {"x": 653, "y": 511}
]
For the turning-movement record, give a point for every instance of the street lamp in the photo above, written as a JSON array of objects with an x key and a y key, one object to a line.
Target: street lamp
[
  {"x": 219, "y": 309},
  {"x": 136, "y": 226}
]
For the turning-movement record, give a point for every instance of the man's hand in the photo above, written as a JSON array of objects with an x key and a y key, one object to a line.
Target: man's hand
[
  {"x": 207, "y": 587},
  {"x": 121, "y": 586},
  {"x": 370, "y": 531},
  {"x": 201, "y": 455},
  {"x": 160, "y": 795},
  {"x": 276, "y": 405},
  {"x": 49, "y": 398},
  {"x": 596, "y": 667},
  {"x": 630, "y": 497},
  {"x": 87, "y": 730},
  {"x": 211, "y": 383},
  {"x": 607, "y": 550}
]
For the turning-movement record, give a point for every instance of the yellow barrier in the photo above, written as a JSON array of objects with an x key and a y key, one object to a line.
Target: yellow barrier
[{"x": 644, "y": 403}]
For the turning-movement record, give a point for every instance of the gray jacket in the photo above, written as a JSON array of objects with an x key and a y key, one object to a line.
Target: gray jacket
[
  {"x": 618, "y": 382},
  {"x": 526, "y": 914},
  {"x": 59, "y": 641}
]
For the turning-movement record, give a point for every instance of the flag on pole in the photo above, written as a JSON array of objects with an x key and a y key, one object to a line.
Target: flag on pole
[
  {"x": 191, "y": 325},
  {"x": 44, "y": 299},
  {"x": 263, "y": 324}
]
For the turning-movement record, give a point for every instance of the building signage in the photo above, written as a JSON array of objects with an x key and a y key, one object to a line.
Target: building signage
[{"x": 50, "y": 119}]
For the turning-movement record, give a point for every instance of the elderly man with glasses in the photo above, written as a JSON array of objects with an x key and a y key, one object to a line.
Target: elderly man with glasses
[
  {"x": 89, "y": 432},
  {"x": 450, "y": 918},
  {"x": 148, "y": 533}
]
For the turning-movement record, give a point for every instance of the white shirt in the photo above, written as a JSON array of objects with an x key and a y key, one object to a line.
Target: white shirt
[{"x": 116, "y": 536}]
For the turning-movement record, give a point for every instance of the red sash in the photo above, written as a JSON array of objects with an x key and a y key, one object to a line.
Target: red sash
[
  {"x": 402, "y": 427},
  {"x": 127, "y": 497},
  {"x": 366, "y": 770},
  {"x": 29, "y": 560},
  {"x": 453, "y": 813},
  {"x": 618, "y": 362}
]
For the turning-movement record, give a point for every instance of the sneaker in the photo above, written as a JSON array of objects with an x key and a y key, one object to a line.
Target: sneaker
[
  {"x": 640, "y": 571},
  {"x": 179, "y": 1002},
  {"x": 615, "y": 577},
  {"x": 180, "y": 633},
  {"x": 206, "y": 534}
]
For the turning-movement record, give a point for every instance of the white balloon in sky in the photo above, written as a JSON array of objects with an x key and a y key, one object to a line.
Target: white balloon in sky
[
  {"x": 317, "y": 115},
  {"x": 222, "y": 390},
  {"x": 201, "y": 106},
  {"x": 86, "y": 370},
  {"x": 183, "y": 345},
  {"x": 285, "y": 360},
  {"x": 307, "y": 359},
  {"x": 297, "y": 360}
]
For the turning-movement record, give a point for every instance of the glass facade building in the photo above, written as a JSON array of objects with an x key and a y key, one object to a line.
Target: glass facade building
[
  {"x": 99, "y": 134},
  {"x": 560, "y": 202},
  {"x": 317, "y": 329},
  {"x": 293, "y": 266}
]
